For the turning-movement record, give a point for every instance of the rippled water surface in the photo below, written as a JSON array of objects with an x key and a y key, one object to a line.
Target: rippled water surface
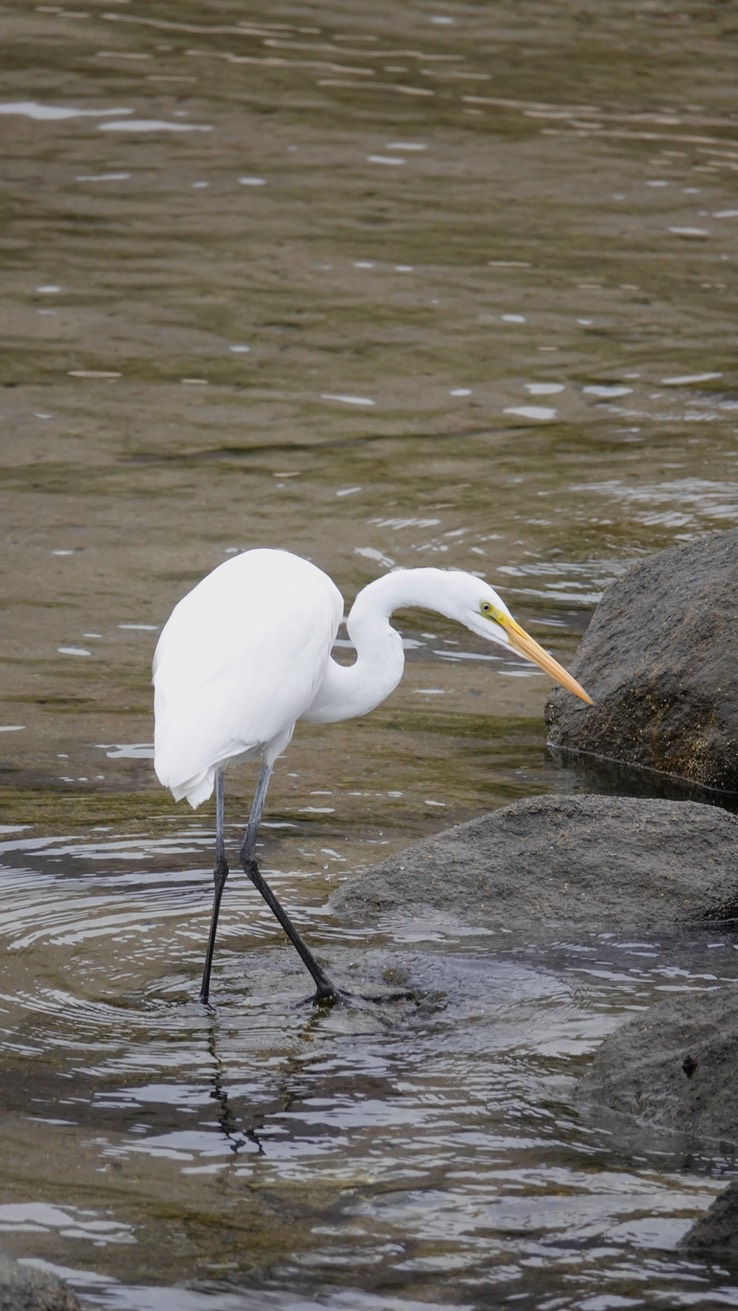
[{"x": 432, "y": 283}]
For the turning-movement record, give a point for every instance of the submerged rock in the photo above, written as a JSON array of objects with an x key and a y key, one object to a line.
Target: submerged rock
[
  {"x": 551, "y": 868},
  {"x": 659, "y": 660},
  {"x": 673, "y": 1067},
  {"x": 24, "y": 1288},
  {"x": 551, "y": 862},
  {"x": 715, "y": 1234}
]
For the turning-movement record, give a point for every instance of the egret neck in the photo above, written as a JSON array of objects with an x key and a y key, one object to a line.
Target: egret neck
[{"x": 348, "y": 691}]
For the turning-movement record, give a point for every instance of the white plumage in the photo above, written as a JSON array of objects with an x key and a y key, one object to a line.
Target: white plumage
[{"x": 262, "y": 621}]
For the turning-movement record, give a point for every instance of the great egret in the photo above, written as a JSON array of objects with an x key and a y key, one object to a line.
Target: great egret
[{"x": 247, "y": 653}]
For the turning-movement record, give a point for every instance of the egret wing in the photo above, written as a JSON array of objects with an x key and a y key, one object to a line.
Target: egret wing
[{"x": 239, "y": 660}]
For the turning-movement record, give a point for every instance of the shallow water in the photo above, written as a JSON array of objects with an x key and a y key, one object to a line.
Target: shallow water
[
  {"x": 396, "y": 1152},
  {"x": 440, "y": 284}
]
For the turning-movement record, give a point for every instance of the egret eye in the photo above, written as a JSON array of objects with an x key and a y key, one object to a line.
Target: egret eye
[{"x": 490, "y": 611}]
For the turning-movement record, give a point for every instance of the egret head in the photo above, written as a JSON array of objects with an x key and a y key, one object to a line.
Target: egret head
[{"x": 485, "y": 613}]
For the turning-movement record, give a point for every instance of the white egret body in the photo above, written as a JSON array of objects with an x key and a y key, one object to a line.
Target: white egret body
[{"x": 247, "y": 653}]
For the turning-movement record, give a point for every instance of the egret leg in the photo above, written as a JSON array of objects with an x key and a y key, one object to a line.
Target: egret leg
[
  {"x": 220, "y": 874},
  {"x": 324, "y": 988}
]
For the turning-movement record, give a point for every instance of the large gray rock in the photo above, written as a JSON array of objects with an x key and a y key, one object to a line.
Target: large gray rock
[
  {"x": 540, "y": 864},
  {"x": 23, "y": 1288},
  {"x": 659, "y": 660},
  {"x": 674, "y": 1067}
]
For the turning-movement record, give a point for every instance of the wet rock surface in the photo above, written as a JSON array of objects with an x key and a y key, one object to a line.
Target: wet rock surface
[
  {"x": 551, "y": 862},
  {"x": 659, "y": 661},
  {"x": 548, "y": 867},
  {"x": 674, "y": 1067},
  {"x": 24, "y": 1288}
]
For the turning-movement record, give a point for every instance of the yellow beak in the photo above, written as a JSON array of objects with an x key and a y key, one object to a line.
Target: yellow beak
[{"x": 526, "y": 646}]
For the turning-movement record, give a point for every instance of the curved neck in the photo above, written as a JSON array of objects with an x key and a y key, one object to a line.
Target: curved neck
[{"x": 351, "y": 690}]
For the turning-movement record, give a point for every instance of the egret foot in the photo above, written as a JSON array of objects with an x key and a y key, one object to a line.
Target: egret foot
[
  {"x": 342, "y": 997},
  {"x": 329, "y": 997}
]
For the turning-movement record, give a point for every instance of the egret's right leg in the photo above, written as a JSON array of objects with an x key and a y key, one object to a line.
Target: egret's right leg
[
  {"x": 220, "y": 874},
  {"x": 325, "y": 989}
]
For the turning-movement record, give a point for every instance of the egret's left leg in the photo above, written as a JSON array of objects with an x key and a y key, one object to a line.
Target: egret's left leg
[{"x": 324, "y": 988}]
